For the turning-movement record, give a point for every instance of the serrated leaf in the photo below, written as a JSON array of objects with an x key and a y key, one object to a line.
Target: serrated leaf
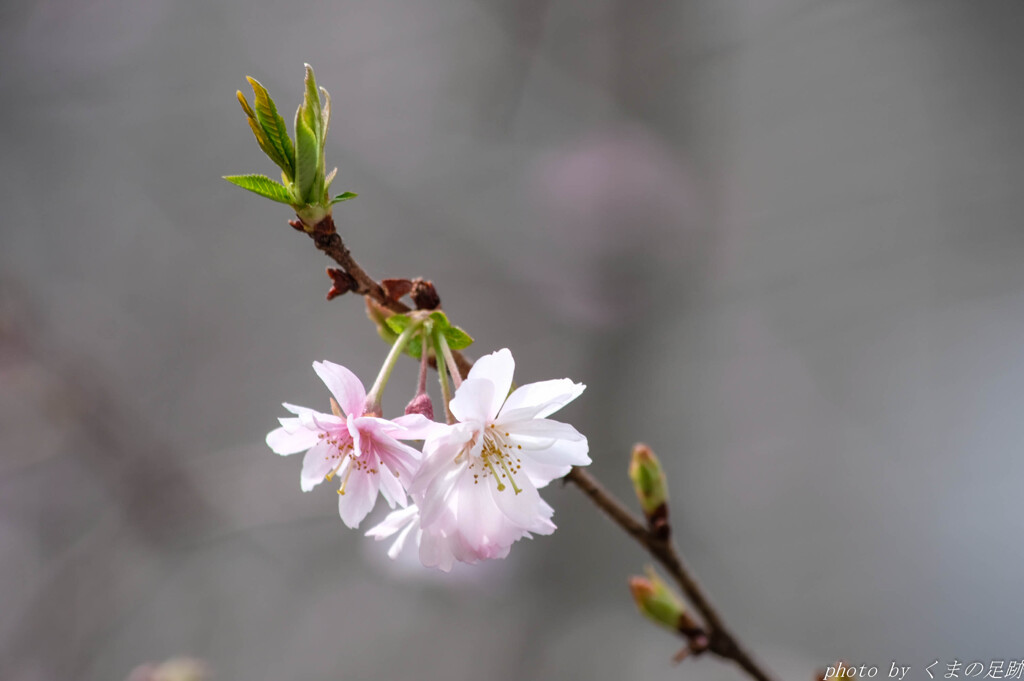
[
  {"x": 274, "y": 127},
  {"x": 257, "y": 129},
  {"x": 325, "y": 115},
  {"x": 312, "y": 103},
  {"x": 245, "y": 105},
  {"x": 347, "y": 196},
  {"x": 457, "y": 338},
  {"x": 307, "y": 152},
  {"x": 329, "y": 179},
  {"x": 262, "y": 185}
]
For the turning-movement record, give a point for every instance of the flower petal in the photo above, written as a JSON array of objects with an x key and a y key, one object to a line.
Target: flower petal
[
  {"x": 415, "y": 427},
  {"x": 537, "y": 400},
  {"x": 474, "y": 401},
  {"x": 358, "y": 499},
  {"x": 285, "y": 441},
  {"x": 391, "y": 487},
  {"x": 522, "y": 508},
  {"x": 318, "y": 462},
  {"x": 344, "y": 385},
  {"x": 296, "y": 409},
  {"x": 545, "y": 429},
  {"x": 394, "y": 522},
  {"x": 497, "y": 368},
  {"x": 541, "y": 474}
]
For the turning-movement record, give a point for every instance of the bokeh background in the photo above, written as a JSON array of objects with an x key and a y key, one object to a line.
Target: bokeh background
[{"x": 780, "y": 240}]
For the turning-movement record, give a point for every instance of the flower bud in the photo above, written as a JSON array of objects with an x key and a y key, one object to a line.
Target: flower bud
[
  {"x": 657, "y": 601},
  {"x": 649, "y": 482},
  {"x": 421, "y": 404}
]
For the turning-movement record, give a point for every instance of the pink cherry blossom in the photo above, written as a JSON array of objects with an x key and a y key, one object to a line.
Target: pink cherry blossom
[
  {"x": 477, "y": 485},
  {"x": 361, "y": 449}
]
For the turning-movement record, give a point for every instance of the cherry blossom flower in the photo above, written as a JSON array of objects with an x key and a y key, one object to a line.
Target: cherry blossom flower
[
  {"x": 477, "y": 485},
  {"x": 361, "y": 449}
]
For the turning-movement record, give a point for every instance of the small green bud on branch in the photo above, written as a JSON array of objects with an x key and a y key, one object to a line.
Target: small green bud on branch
[{"x": 651, "y": 487}]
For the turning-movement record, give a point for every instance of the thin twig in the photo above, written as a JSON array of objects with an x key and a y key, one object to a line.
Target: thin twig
[
  {"x": 719, "y": 639},
  {"x": 327, "y": 240}
]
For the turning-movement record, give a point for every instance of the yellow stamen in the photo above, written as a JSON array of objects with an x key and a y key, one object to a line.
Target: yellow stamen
[{"x": 348, "y": 472}]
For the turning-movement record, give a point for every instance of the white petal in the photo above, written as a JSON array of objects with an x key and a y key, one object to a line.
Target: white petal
[
  {"x": 435, "y": 552},
  {"x": 399, "y": 543},
  {"x": 358, "y": 499},
  {"x": 497, "y": 368},
  {"x": 439, "y": 454},
  {"x": 522, "y": 508},
  {"x": 541, "y": 475},
  {"x": 318, "y": 462},
  {"x": 558, "y": 453},
  {"x": 394, "y": 521},
  {"x": 478, "y": 519},
  {"x": 544, "y": 429},
  {"x": 537, "y": 400},
  {"x": 434, "y": 501},
  {"x": 474, "y": 401},
  {"x": 344, "y": 385}
]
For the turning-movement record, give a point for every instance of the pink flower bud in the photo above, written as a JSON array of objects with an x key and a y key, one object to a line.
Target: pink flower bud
[{"x": 421, "y": 404}]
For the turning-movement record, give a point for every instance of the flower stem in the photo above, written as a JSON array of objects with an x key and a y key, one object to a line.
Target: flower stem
[
  {"x": 421, "y": 384},
  {"x": 450, "y": 360},
  {"x": 373, "y": 399},
  {"x": 442, "y": 375}
]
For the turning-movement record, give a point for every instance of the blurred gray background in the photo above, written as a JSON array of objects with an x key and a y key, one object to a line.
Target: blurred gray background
[{"x": 778, "y": 239}]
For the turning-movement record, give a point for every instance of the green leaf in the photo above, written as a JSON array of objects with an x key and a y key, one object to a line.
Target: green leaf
[
  {"x": 257, "y": 129},
  {"x": 397, "y": 322},
  {"x": 307, "y": 153},
  {"x": 440, "y": 320},
  {"x": 312, "y": 103},
  {"x": 347, "y": 196},
  {"x": 325, "y": 115},
  {"x": 262, "y": 185},
  {"x": 457, "y": 338},
  {"x": 274, "y": 127}
]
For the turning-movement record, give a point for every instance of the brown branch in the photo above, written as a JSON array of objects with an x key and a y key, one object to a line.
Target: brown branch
[
  {"x": 355, "y": 279},
  {"x": 721, "y": 641},
  {"x": 715, "y": 637}
]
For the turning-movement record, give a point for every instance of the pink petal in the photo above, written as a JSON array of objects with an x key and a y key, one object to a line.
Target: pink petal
[
  {"x": 359, "y": 497},
  {"x": 284, "y": 442},
  {"x": 318, "y": 462},
  {"x": 344, "y": 385},
  {"x": 415, "y": 427},
  {"x": 295, "y": 409},
  {"x": 391, "y": 487}
]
